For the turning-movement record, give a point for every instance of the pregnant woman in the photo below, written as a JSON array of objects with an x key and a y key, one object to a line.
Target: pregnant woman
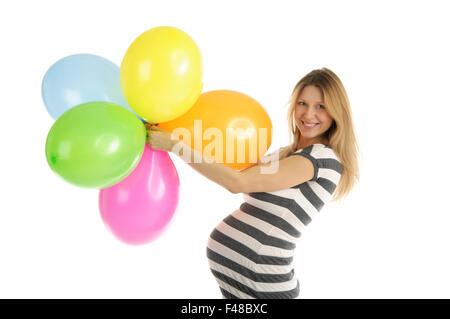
[{"x": 251, "y": 252}]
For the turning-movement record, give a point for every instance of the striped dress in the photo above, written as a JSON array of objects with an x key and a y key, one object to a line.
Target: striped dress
[{"x": 251, "y": 252}]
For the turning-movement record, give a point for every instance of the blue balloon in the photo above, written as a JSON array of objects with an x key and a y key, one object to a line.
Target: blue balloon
[{"x": 81, "y": 78}]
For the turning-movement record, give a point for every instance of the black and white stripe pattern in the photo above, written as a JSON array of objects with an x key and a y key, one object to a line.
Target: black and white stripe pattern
[{"x": 251, "y": 252}]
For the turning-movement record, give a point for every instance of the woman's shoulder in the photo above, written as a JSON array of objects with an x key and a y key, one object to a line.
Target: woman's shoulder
[
  {"x": 324, "y": 151},
  {"x": 319, "y": 151}
]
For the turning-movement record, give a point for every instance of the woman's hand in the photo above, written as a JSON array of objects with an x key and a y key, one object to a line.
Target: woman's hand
[{"x": 160, "y": 139}]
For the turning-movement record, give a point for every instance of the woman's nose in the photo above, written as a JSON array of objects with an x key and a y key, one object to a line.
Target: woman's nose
[{"x": 310, "y": 113}]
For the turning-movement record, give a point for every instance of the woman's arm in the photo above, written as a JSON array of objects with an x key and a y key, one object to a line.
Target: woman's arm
[
  {"x": 160, "y": 139},
  {"x": 264, "y": 177},
  {"x": 271, "y": 176},
  {"x": 275, "y": 175}
]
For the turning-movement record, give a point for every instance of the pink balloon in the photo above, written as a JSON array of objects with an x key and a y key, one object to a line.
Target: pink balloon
[{"x": 138, "y": 209}]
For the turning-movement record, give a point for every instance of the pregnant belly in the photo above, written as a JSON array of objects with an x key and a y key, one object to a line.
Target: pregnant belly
[{"x": 249, "y": 232}]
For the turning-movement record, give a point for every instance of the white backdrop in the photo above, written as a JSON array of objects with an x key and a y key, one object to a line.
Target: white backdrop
[{"x": 388, "y": 239}]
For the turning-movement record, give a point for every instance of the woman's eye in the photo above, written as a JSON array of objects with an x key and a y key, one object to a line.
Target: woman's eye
[
  {"x": 300, "y": 103},
  {"x": 321, "y": 106}
]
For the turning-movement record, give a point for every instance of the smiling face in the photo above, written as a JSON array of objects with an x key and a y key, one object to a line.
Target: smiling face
[{"x": 311, "y": 117}]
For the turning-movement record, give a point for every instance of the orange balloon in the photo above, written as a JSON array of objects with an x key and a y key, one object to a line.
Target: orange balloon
[{"x": 227, "y": 126}]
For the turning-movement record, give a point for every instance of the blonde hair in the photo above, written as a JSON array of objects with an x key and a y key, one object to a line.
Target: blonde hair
[{"x": 341, "y": 135}]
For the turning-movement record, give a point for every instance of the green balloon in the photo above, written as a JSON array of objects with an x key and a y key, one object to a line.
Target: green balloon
[{"x": 95, "y": 144}]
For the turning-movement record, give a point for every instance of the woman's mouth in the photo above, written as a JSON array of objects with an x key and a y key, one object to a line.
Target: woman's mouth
[{"x": 309, "y": 126}]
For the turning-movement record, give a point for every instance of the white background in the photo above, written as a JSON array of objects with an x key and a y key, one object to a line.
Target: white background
[{"x": 388, "y": 239}]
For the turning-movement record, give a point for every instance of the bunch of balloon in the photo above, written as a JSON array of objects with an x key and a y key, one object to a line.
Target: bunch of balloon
[
  {"x": 98, "y": 138},
  {"x": 161, "y": 78}
]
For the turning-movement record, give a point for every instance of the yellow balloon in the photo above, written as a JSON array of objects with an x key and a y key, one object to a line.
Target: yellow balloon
[{"x": 161, "y": 74}]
